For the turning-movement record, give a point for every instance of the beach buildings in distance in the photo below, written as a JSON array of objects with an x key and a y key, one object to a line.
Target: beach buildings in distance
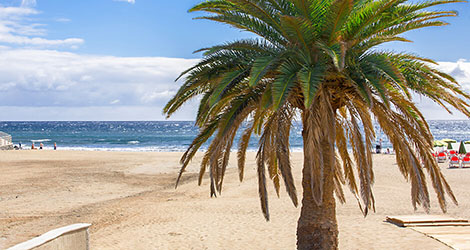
[{"x": 5, "y": 141}]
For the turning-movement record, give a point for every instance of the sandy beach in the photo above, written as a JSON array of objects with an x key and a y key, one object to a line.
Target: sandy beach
[{"x": 130, "y": 199}]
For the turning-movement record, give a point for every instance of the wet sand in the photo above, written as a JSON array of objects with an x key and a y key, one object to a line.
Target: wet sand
[{"x": 130, "y": 199}]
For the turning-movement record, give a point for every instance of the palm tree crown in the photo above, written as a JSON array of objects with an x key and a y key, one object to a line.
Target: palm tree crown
[{"x": 318, "y": 60}]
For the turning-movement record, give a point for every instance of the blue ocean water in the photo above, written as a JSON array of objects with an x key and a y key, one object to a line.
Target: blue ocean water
[{"x": 159, "y": 135}]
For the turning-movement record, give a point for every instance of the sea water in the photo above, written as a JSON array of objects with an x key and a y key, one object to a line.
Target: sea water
[{"x": 161, "y": 135}]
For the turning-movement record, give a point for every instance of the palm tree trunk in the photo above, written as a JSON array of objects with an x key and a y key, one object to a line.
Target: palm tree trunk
[{"x": 317, "y": 227}]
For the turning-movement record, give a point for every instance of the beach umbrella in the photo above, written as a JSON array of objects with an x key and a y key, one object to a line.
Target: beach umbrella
[
  {"x": 467, "y": 142},
  {"x": 439, "y": 143},
  {"x": 462, "y": 149},
  {"x": 449, "y": 140}
]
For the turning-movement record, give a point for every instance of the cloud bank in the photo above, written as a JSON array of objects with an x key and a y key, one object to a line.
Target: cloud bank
[
  {"x": 63, "y": 85},
  {"x": 45, "y": 78}
]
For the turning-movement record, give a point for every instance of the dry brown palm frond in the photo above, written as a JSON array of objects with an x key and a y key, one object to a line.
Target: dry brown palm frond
[
  {"x": 220, "y": 152},
  {"x": 282, "y": 152},
  {"x": 369, "y": 136},
  {"x": 274, "y": 173},
  {"x": 263, "y": 194},
  {"x": 213, "y": 192},
  {"x": 274, "y": 150},
  {"x": 267, "y": 150},
  {"x": 225, "y": 159},
  {"x": 339, "y": 181},
  {"x": 312, "y": 143},
  {"x": 362, "y": 161},
  {"x": 343, "y": 132},
  {"x": 245, "y": 139},
  {"x": 204, "y": 164},
  {"x": 205, "y": 132},
  {"x": 342, "y": 145},
  {"x": 319, "y": 126},
  {"x": 242, "y": 147}
]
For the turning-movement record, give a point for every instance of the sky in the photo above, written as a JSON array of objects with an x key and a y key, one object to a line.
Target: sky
[{"x": 118, "y": 59}]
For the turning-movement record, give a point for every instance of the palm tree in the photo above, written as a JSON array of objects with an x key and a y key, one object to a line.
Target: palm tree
[{"x": 318, "y": 60}]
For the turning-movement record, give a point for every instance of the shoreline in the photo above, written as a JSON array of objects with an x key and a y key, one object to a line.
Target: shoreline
[{"x": 132, "y": 150}]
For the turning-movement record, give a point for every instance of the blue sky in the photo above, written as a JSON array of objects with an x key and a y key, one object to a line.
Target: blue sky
[
  {"x": 116, "y": 60},
  {"x": 144, "y": 28}
]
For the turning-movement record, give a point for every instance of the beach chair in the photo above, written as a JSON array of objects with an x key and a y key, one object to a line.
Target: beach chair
[
  {"x": 435, "y": 156},
  {"x": 454, "y": 162},
  {"x": 467, "y": 154},
  {"x": 452, "y": 153},
  {"x": 441, "y": 157},
  {"x": 466, "y": 162}
]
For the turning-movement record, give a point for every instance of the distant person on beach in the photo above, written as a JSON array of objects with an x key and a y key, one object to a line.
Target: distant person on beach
[
  {"x": 19, "y": 145},
  {"x": 378, "y": 147},
  {"x": 32, "y": 146},
  {"x": 55, "y": 146},
  {"x": 41, "y": 145}
]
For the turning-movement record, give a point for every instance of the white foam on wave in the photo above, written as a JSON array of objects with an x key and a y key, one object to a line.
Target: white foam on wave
[
  {"x": 127, "y": 149},
  {"x": 133, "y": 142},
  {"x": 41, "y": 140}
]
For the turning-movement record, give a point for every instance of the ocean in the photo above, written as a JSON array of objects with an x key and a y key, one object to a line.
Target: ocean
[{"x": 159, "y": 135}]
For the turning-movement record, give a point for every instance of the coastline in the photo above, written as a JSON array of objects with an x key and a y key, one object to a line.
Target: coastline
[{"x": 130, "y": 199}]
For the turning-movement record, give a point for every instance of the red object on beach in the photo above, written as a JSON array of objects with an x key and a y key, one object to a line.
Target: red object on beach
[
  {"x": 454, "y": 162},
  {"x": 466, "y": 161},
  {"x": 467, "y": 154},
  {"x": 441, "y": 157}
]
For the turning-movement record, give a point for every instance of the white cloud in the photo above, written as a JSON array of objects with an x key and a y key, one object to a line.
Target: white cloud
[
  {"x": 460, "y": 70},
  {"x": 28, "y": 3},
  {"x": 17, "y": 29},
  {"x": 15, "y": 12},
  {"x": 62, "y": 20},
  {"x": 129, "y": 1}
]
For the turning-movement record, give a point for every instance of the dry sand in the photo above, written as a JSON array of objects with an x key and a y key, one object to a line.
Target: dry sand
[{"x": 131, "y": 201}]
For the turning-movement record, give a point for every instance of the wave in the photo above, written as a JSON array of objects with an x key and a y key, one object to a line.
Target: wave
[
  {"x": 133, "y": 142},
  {"x": 41, "y": 140},
  {"x": 151, "y": 149}
]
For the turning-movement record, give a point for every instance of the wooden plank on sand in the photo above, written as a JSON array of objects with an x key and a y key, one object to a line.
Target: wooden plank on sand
[
  {"x": 454, "y": 237},
  {"x": 426, "y": 220},
  {"x": 437, "y": 224}
]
